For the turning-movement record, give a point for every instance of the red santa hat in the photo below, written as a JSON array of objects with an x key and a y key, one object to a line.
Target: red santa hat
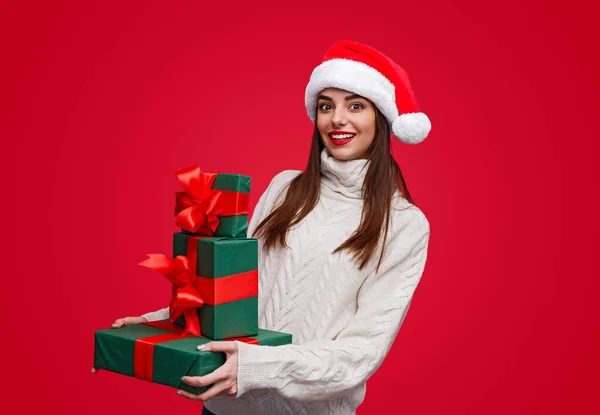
[{"x": 367, "y": 72}]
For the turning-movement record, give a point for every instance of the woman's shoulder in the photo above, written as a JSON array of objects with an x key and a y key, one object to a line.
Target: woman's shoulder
[
  {"x": 284, "y": 177},
  {"x": 405, "y": 214},
  {"x": 278, "y": 184}
]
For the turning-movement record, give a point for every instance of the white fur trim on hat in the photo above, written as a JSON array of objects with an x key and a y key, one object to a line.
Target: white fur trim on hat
[
  {"x": 352, "y": 76},
  {"x": 411, "y": 128}
]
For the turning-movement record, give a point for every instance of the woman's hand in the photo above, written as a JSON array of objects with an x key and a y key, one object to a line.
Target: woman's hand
[
  {"x": 128, "y": 321},
  {"x": 124, "y": 322},
  {"x": 224, "y": 379}
]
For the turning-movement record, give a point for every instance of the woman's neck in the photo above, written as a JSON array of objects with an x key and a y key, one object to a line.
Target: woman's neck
[{"x": 343, "y": 176}]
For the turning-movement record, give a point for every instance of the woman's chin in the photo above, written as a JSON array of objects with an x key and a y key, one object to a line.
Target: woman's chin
[{"x": 345, "y": 153}]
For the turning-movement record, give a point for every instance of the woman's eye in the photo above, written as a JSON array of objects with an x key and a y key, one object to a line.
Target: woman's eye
[
  {"x": 356, "y": 106},
  {"x": 324, "y": 107}
]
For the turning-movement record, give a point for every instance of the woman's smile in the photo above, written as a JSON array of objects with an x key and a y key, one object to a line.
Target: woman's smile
[{"x": 339, "y": 138}]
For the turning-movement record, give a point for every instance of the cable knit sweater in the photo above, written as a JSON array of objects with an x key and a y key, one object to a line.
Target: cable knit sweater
[{"x": 343, "y": 320}]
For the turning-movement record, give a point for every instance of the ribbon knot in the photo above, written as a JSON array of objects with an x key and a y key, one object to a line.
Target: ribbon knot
[
  {"x": 196, "y": 208},
  {"x": 185, "y": 298}
]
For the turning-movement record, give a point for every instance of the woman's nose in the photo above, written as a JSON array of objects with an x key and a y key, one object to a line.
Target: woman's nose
[{"x": 339, "y": 118}]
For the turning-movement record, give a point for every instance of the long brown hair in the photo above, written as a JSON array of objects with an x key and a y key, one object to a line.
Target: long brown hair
[{"x": 382, "y": 179}]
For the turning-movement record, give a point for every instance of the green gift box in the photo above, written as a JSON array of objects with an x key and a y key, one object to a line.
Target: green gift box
[
  {"x": 226, "y": 272},
  {"x": 158, "y": 352},
  {"x": 213, "y": 204}
]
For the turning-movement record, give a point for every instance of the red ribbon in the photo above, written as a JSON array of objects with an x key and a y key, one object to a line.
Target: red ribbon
[
  {"x": 185, "y": 298},
  {"x": 197, "y": 207},
  {"x": 191, "y": 291},
  {"x": 216, "y": 291},
  {"x": 143, "y": 354}
]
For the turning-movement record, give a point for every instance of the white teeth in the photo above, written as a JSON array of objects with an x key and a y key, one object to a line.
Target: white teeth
[{"x": 342, "y": 136}]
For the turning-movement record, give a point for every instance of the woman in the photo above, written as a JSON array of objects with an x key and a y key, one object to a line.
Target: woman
[{"x": 342, "y": 250}]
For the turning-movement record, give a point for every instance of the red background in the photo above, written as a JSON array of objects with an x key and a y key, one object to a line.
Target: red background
[{"x": 102, "y": 102}]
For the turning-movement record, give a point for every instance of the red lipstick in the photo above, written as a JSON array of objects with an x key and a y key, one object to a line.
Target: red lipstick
[{"x": 340, "y": 141}]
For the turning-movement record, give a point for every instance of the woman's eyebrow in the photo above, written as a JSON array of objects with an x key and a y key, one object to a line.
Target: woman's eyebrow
[
  {"x": 347, "y": 98},
  {"x": 353, "y": 96}
]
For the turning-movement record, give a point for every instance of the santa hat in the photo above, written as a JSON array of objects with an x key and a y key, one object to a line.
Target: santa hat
[{"x": 369, "y": 73}]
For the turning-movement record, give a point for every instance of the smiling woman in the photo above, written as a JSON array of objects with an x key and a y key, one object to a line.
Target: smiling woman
[
  {"x": 346, "y": 122},
  {"x": 343, "y": 249}
]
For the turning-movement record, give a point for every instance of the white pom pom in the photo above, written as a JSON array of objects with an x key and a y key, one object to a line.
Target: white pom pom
[{"x": 411, "y": 128}]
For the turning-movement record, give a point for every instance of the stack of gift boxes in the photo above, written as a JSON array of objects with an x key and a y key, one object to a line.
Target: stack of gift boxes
[{"x": 214, "y": 275}]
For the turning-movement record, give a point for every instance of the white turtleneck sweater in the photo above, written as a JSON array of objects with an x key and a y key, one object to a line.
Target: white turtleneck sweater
[{"x": 343, "y": 320}]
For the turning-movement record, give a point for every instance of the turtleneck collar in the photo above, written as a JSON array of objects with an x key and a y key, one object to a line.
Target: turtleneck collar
[{"x": 344, "y": 177}]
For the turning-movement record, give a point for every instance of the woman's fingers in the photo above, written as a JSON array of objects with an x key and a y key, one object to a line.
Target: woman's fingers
[
  {"x": 215, "y": 390},
  {"x": 128, "y": 321},
  {"x": 200, "y": 381},
  {"x": 94, "y": 370},
  {"x": 123, "y": 322},
  {"x": 223, "y": 381},
  {"x": 119, "y": 323},
  {"x": 219, "y": 389},
  {"x": 226, "y": 347}
]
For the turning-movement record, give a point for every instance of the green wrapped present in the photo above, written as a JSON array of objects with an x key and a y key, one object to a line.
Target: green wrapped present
[
  {"x": 226, "y": 271},
  {"x": 212, "y": 204},
  {"x": 159, "y": 352}
]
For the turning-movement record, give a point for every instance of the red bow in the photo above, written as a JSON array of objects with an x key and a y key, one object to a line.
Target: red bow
[
  {"x": 185, "y": 298},
  {"x": 196, "y": 207}
]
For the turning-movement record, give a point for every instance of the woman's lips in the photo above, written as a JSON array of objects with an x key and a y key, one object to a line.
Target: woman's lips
[{"x": 340, "y": 142}]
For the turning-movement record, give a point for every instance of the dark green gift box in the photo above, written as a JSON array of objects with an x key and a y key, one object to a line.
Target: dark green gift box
[
  {"x": 235, "y": 226},
  {"x": 115, "y": 350},
  {"x": 230, "y": 206},
  {"x": 227, "y": 280}
]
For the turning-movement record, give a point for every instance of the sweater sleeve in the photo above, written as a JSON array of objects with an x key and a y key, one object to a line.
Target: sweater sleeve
[
  {"x": 261, "y": 210},
  {"x": 325, "y": 369},
  {"x": 161, "y": 314},
  {"x": 270, "y": 198}
]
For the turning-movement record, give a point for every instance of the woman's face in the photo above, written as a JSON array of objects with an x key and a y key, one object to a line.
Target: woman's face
[{"x": 346, "y": 122}]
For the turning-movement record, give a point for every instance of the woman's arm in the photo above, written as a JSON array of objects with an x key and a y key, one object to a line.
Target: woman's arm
[
  {"x": 324, "y": 369},
  {"x": 162, "y": 314},
  {"x": 270, "y": 197}
]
